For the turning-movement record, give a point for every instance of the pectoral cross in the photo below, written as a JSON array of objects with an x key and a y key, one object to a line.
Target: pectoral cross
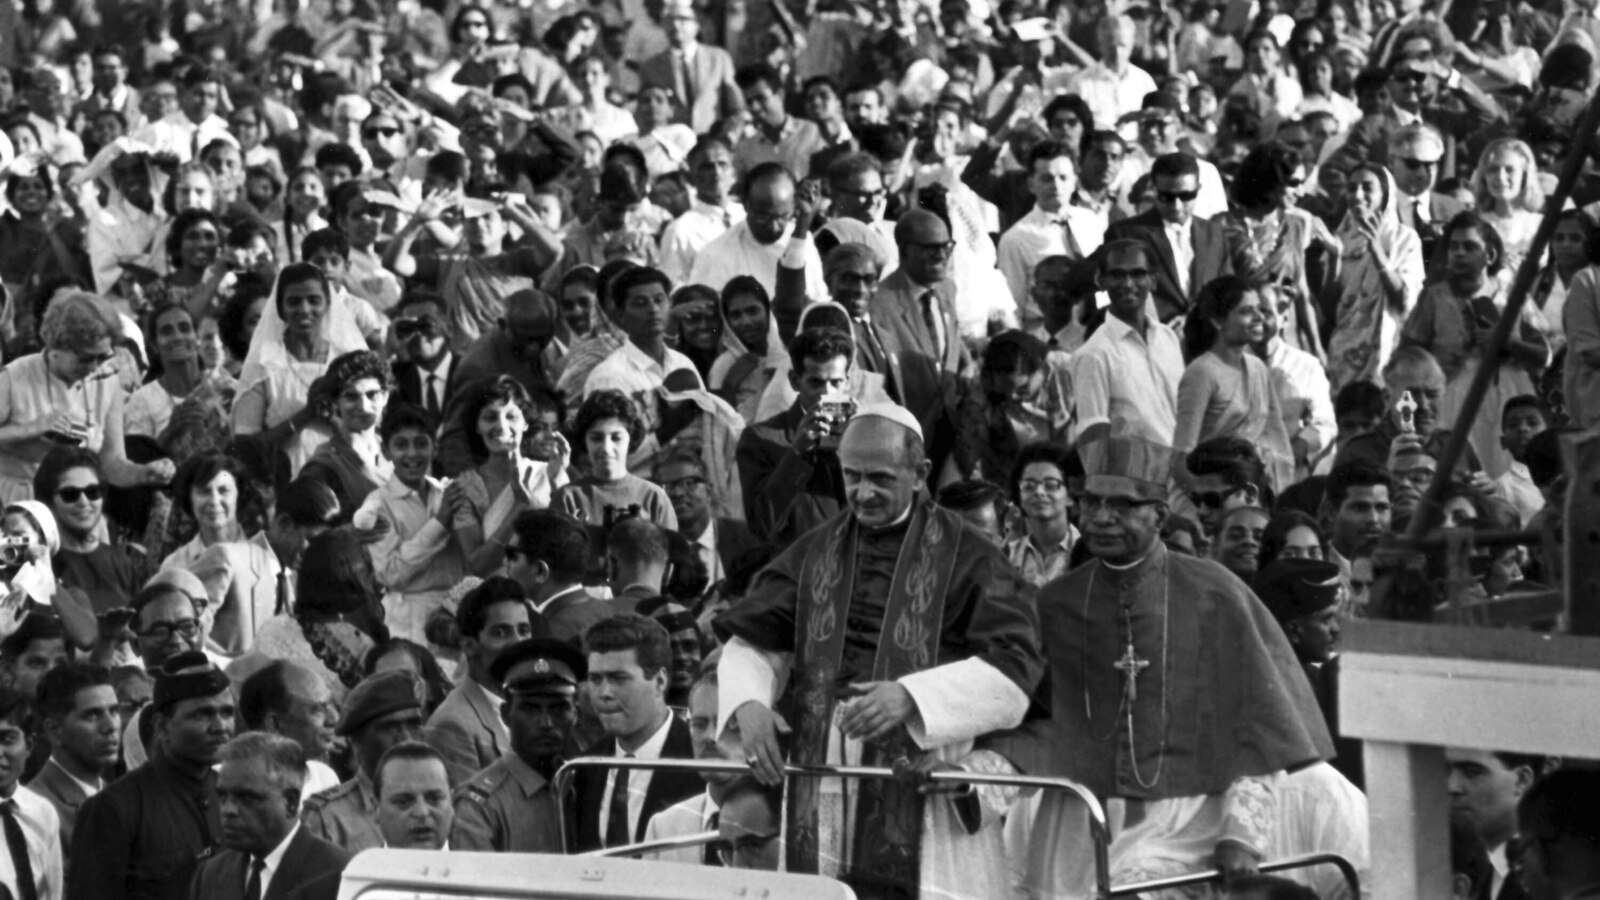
[{"x": 1131, "y": 667}]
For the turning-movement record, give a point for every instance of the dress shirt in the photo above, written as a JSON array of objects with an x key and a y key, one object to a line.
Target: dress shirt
[
  {"x": 638, "y": 779},
  {"x": 666, "y": 148},
  {"x": 272, "y": 860},
  {"x": 415, "y": 554},
  {"x": 631, "y": 371},
  {"x": 41, "y": 828},
  {"x": 1111, "y": 96},
  {"x": 707, "y": 544},
  {"x": 689, "y": 233},
  {"x": 797, "y": 140},
  {"x": 1304, "y": 396},
  {"x": 1182, "y": 241},
  {"x": 575, "y": 589},
  {"x": 1038, "y": 235},
  {"x": 178, "y": 135},
  {"x": 737, "y": 252},
  {"x": 1129, "y": 380}
]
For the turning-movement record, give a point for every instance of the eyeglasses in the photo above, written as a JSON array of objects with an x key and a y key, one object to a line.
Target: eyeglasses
[
  {"x": 1211, "y": 499},
  {"x": 410, "y": 328},
  {"x": 687, "y": 483},
  {"x": 1048, "y": 485},
  {"x": 1177, "y": 196},
  {"x": 1112, "y": 276},
  {"x": 1419, "y": 163},
  {"x": 1409, "y": 77},
  {"x": 161, "y": 631},
  {"x": 73, "y": 494},
  {"x": 944, "y": 249},
  {"x": 382, "y": 131},
  {"x": 1117, "y": 506}
]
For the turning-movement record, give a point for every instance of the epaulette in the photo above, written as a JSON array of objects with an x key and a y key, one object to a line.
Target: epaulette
[
  {"x": 481, "y": 786},
  {"x": 322, "y": 798}
]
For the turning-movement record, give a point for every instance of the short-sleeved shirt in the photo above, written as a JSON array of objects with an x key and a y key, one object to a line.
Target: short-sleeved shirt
[{"x": 475, "y": 288}]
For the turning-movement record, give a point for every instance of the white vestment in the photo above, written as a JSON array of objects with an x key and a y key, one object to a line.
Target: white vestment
[{"x": 956, "y": 703}]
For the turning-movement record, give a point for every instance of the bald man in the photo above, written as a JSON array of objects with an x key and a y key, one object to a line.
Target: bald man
[{"x": 912, "y": 636}]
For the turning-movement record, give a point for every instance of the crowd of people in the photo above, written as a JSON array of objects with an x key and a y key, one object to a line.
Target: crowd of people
[{"x": 403, "y": 397}]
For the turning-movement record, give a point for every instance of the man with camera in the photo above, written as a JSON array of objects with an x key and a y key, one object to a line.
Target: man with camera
[{"x": 788, "y": 465}]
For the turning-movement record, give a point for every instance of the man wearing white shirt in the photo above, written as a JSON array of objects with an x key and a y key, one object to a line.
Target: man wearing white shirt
[
  {"x": 264, "y": 851},
  {"x": 414, "y": 810},
  {"x": 31, "y": 865},
  {"x": 641, "y": 310},
  {"x": 1125, "y": 376},
  {"x": 1052, "y": 228},
  {"x": 698, "y": 814},
  {"x": 196, "y": 122},
  {"x": 1114, "y": 86},
  {"x": 1302, "y": 386},
  {"x": 754, "y": 246},
  {"x": 712, "y": 213}
]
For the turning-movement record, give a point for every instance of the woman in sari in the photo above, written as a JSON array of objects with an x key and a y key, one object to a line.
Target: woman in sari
[
  {"x": 193, "y": 245},
  {"x": 1454, "y": 317},
  {"x": 1508, "y": 194},
  {"x": 752, "y": 352},
  {"x": 1226, "y": 389},
  {"x": 697, "y": 326},
  {"x": 291, "y": 347},
  {"x": 213, "y": 494},
  {"x": 67, "y": 393},
  {"x": 352, "y": 463},
  {"x": 337, "y": 618},
  {"x": 183, "y": 407},
  {"x": 1276, "y": 235},
  {"x": 1381, "y": 273},
  {"x": 488, "y": 498}
]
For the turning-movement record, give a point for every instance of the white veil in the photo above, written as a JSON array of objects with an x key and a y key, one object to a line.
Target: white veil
[{"x": 267, "y": 350}]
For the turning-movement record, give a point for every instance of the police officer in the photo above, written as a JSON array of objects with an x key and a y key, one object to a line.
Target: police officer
[
  {"x": 380, "y": 712},
  {"x": 511, "y": 805}
]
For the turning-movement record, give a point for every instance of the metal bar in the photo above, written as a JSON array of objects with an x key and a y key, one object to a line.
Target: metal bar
[
  {"x": 1494, "y": 349},
  {"x": 1435, "y": 540},
  {"x": 1098, "y": 829},
  {"x": 1281, "y": 865},
  {"x": 682, "y": 842}
]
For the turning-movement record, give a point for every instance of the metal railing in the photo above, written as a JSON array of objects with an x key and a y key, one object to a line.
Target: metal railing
[
  {"x": 681, "y": 842},
  {"x": 1215, "y": 875},
  {"x": 1098, "y": 829}
]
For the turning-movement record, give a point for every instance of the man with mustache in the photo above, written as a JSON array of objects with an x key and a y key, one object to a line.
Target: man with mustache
[{"x": 81, "y": 719}]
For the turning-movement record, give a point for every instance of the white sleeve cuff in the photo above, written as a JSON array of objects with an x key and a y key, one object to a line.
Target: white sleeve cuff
[
  {"x": 745, "y": 673},
  {"x": 960, "y": 701}
]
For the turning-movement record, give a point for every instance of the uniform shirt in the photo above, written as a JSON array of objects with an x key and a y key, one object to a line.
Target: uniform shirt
[
  {"x": 345, "y": 815},
  {"x": 507, "y": 807},
  {"x": 41, "y": 829},
  {"x": 1129, "y": 380}
]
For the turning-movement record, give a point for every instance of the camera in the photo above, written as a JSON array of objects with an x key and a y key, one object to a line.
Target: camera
[
  {"x": 835, "y": 409},
  {"x": 1406, "y": 408},
  {"x": 14, "y": 551}
]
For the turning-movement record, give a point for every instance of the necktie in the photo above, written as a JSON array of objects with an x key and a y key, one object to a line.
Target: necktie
[
  {"x": 27, "y": 888},
  {"x": 685, "y": 85},
  {"x": 430, "y": 389},
  {"x": 712, "y": 857},
  {"x": 252, "y": 886},
  {"x": 1182, "y": 255},
  {"x": 1416, "y": 213},
  {"x": 933, "y": 317},
  {"x": 727, "y": 217},
  {"x": 282, "y": 604},
  {"x": 1069, "y": 240},
  {"x": 617, "y": 811}
]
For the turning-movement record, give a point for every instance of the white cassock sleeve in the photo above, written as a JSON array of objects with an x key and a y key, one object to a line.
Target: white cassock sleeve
[
  {"x": 959, "y": 701},
  {"x": 746, "y": 673}
]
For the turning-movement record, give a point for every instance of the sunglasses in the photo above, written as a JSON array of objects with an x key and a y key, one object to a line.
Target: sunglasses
[
  {"x": 1419, "y": 163},
  {"x": 73, "y": 494},
  {"x": 382, "y": 131},
  {"x": 410, "y": 328},
  {"x": 1177, "y": 196},
  {"x": 1409, "y": 77}
]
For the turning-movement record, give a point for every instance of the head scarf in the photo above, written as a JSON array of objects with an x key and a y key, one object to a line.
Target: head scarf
[
  {"x": 267, "y": 350},
  {"x": 1361, "y": 275}
]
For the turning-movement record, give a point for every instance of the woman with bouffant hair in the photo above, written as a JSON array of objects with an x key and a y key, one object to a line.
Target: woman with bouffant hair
[{"x": 68, "y": 394}]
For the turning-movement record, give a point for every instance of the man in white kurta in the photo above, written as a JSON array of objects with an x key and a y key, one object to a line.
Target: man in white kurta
[{"x": 895, "y": 636}]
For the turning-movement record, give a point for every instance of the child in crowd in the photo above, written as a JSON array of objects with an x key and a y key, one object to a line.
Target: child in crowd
[
  {"x": 1521, "y": 420},
  {"x": 609, "y": 426}
]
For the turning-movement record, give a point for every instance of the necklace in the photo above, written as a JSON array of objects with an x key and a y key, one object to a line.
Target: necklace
[{"x": 1131, "y": 666}]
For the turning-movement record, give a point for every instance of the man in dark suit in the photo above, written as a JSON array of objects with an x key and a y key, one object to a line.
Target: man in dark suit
[
  {"x": 111, "y": 91},
  {"x": 719, "y": 539},
  {"x": 549, "y": 554},
  {"x": 426, "y": 377},
  {"x": 1189, "y": 251},
  {"x": 1416, "y": 152},
  {"x": 629, "y": 658},
  {"x": 1420, "y": 86},
  {"x": 264, "y": 852},
  {"x": 699, "y": 76}
]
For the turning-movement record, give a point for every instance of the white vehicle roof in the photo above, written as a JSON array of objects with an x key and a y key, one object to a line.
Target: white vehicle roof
[{"x": 387, "y": 874}]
